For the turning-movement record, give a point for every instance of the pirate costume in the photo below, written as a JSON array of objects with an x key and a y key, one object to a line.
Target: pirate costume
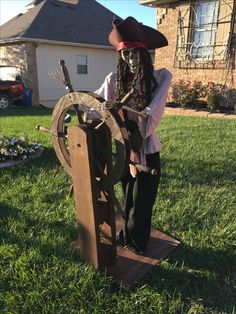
[{"x": 140, "y": 189}]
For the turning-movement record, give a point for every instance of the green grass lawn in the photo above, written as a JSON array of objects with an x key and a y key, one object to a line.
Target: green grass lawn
[{"x": 40, "y": 273}]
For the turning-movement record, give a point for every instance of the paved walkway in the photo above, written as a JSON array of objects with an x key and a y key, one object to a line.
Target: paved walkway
[{"x": 191, "y": 112}]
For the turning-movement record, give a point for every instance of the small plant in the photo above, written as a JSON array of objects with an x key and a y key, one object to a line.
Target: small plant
[{"x": 13, "y": 148}]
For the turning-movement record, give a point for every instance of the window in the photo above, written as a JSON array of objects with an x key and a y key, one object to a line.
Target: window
[
  {"x": 204, "y": 34},
  {"x": 204, "y": 30},
  {"x": 82, "y": 64}
]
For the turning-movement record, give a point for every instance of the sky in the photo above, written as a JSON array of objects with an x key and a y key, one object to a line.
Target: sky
[{"x": 122, "y": 8}]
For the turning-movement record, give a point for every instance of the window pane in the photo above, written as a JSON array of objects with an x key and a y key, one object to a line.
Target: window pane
[
  {"x": 197, "y": 37},
  {"x": 204, "y": 38},
  {"x": 82, "y": 67},
  {"x": 82, "y": 60},
  {"x": 206, "y": 13}
]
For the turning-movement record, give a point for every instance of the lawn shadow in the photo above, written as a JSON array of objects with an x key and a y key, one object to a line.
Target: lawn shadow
[
  {"x": 7, "y": 211},
  {"x": 203, "y": 275},
  {"x": 26, "y": 112}
]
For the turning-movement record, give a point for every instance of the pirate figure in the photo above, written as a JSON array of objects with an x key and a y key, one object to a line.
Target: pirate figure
[{"x": 148, "y": 89}]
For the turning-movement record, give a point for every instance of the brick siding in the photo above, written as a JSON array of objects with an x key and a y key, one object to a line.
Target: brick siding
[
  {"x": 23, "y": 55},
  {"x": 165, "y": 57}
]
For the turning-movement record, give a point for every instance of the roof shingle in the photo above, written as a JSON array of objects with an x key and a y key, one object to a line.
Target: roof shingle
[{"x": 87, "y": 22}]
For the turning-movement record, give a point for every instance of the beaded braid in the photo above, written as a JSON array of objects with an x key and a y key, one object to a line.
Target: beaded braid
[{"x": 144, "y": 77}]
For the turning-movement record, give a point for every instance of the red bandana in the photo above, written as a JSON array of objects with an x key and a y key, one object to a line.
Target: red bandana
[{"x": 130, "y": 44}]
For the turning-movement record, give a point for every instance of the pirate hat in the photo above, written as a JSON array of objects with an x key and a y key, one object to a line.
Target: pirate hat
[{"x": 130, "y": 33}]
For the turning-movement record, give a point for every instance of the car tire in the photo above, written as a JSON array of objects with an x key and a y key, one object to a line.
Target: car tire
[{"x": 5, "y": 101}]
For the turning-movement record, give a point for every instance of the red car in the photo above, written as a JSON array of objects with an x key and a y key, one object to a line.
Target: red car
[
  {"x": 10, "y": 91},
  {"x": 11, "y": 87}
]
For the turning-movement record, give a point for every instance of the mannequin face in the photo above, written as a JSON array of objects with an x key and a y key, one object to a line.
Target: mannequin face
[{"x": 131, "y": 57}]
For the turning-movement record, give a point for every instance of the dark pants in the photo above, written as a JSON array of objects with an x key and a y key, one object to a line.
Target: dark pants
[{"x": 140, "y": 194}]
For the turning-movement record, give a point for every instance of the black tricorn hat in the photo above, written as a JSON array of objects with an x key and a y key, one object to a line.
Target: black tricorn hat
[{"x": 130, "y": 33}]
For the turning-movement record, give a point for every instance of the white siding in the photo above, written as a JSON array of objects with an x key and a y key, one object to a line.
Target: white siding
[{"x": 100, "y": 63}]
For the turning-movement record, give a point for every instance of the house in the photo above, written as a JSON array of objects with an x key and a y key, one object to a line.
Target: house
[
  {"x": 202, "y": 39},
  {"x": 51, "y": 30}
]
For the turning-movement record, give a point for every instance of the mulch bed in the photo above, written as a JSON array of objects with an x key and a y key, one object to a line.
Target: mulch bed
[{"x": 201, "y": 113}]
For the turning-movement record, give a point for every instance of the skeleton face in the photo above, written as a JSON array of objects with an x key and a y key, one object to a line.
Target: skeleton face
[{"x": 131, "y": 57}]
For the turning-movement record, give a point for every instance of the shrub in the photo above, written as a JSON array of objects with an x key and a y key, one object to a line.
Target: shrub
[
  {"x": 225, "y": 96},
  {"x": 187, "y": 93},
  {"x": 197, "y": 95},
  {"x": 13, "y": 148},
  {"x": 212, "y": 101},
  {"x": 213, "y": 95}
]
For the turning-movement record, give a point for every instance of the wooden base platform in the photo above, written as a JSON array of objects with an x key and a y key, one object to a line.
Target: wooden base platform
[{"x": 131, "y": 267}]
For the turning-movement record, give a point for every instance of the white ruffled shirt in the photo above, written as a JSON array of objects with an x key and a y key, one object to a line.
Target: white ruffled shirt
[{"x": 154, "y": 110}]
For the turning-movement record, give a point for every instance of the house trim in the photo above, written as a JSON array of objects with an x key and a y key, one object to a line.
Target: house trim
[
  {"x": 53, "y": 42},
  {"x": 156, "y": 3}
]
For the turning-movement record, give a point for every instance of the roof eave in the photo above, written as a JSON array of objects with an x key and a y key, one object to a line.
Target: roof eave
[
  {"x": 156, "y": 3},
  {"x": 53, "y": 42}
]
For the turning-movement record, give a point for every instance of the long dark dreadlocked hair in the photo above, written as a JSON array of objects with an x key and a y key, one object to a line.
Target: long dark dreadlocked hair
[{"x": 144, "y": 77}]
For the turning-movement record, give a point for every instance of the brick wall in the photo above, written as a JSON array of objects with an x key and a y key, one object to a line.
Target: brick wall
[
  {"x": 165, "y": 57},
  {"x": 23, "y": 55},
  {"x": 32, "y": 72}
]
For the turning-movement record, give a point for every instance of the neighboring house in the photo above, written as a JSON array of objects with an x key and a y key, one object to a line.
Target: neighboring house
[
  {"x": 202, "y": 39},
  {"x": 51, "y": 30}
]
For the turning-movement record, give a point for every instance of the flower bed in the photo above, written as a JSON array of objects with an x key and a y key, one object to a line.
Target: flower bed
[
  {"x": 211, "y": 96},
  {"x": 17, "y": 149}
]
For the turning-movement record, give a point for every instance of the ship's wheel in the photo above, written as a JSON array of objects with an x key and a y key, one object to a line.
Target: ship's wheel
[{"x": 77, "y": 105}]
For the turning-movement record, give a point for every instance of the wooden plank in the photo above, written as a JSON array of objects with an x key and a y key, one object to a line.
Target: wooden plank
[
  {"x": 84, "y": 186},
  {"x": 94, "y": 210},
  {"x": 131, "y": 267}
]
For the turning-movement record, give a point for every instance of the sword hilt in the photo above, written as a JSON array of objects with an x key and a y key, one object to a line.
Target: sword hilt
[{"x": 66, "y": 76}]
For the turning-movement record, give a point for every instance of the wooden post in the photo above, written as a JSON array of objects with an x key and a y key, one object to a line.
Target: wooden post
[{"x": 94, "y": 208}]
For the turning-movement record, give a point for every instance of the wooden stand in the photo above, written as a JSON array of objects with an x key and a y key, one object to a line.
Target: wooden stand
[
  {"x": 97, "y": 229},
  {"x": 94, "y": 210},
  {"x": 130, "y": 267}
]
